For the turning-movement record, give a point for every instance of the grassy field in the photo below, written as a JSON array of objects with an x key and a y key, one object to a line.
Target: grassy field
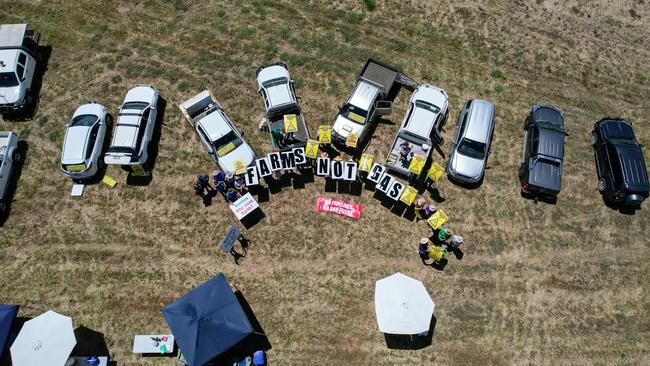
[{"x": 539, "y": 284}]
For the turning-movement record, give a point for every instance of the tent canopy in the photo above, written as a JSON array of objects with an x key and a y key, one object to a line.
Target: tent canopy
[
  {"x": 47, "y": 339},
  {"x": 402, "y": 305},
  {"x": 7, "y": 316},
  {"x": 207, "y": 321}
]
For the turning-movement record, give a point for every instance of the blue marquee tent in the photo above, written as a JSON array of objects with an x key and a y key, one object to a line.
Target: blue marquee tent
[
  {"x": 207, "y": 321},
  {"x": 7, "y": 316}
]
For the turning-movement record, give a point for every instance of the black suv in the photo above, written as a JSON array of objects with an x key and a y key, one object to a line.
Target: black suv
[
  {"x": 622, "y": 174},
  {"x": 540, "y": 172}
]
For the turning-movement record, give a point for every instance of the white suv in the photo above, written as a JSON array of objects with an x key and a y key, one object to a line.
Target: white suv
[{"x": 134, "y": 128}]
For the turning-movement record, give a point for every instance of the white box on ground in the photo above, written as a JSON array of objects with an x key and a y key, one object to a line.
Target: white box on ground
[
  {"x": 77, "y": 190},
  {"x": 153, "y": 343}
]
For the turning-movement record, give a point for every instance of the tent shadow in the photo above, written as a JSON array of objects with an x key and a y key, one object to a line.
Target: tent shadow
[
  {"x": 246, "y": 347},
  {"x": 89, "y": 343},
  {"x": 411, "y": 342}
]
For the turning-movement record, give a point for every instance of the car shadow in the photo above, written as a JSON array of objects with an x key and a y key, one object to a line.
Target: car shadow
[
  {"x": 17, "y": 170},
  {"x": 30, "y": 109},
  {"x": 623, "y": 209},
  {"x": 470, "y": 186},
  {"x": 551, "y": 200},
  {"x": 133, "y": 179}
]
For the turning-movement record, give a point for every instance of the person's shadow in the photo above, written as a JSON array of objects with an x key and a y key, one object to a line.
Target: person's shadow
[
  {"x": 440, "y": 265},
  {"x": 245, "y": 243}
]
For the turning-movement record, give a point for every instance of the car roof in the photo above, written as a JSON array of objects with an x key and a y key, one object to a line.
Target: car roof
[
  {"x": 551, "y": 143},
  {"x": 363, "y": 95},
  {"x": 479, "y": 120},
  {"x": 543, "y": 113},
  {"x": 214, "y": 125},
  {"x": 430, "y": 94},
  {"x": 89, "y": 108},
  {"x": 272, "y": 72},
  {"x": 9, "y": 58},
  {"x": 74, "y": 144}
]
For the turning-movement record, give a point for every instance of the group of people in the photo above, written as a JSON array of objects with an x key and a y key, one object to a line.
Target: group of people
[
  {"x": 437, "y": 247},
  {"x": 229, "y": 185}
]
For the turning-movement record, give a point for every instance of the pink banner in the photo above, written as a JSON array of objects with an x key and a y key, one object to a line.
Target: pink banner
[{"x": 343, "y": 208}]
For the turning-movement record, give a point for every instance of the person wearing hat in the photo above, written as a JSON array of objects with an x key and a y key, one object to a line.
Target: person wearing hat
[
  {"x": 456, "y": 241},
  {"x": 423, "y": 250},
  {"x": 230, "y": 179},
  {"x": 444, "y": 235},
  {"x": 430, "y": 210},
  {"x": 437, "y": 253},
  {"x": 419, "y": 208},
  {"x": 240, "y": 186}
]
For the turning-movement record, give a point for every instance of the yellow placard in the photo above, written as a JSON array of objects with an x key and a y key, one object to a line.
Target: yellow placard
[
  {"x": 365, "y": 163},
  {"x": 435, "y": 172},
  {"x": 437, "y": 219},
  {"x": 109, "y": 181},
  {"x": 290, "y": 123},
  {"x": 311, "y": 150},
  {"x": 417, "y": 163},
  {"x": 436, "y": 253},
  {"x": 226, "y": 149},
  {"x": 76, "y": 168},
  {"x": 356, "y": 118},
  {"x": 240, "y": 167},
  {"x": 352, "y": 140},
  {"x": 324, "y": 134},
  {"x": 408, "y": 196}
]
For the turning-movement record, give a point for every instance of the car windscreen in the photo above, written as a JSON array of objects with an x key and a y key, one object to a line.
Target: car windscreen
[
  {"x": 428, "y": 106},
  {"x": 8, "y": 79},
  {"x": 122, "y": 149},
  {"x": 85, "y": 120},
  {"x": 471, "y": 148},
  {"x": 550, "y": 126},
  {"x": 354, "y": 114},
  {"x": 275, "y": 82},
  {"x": 227, "y": 143},
  {"x": 135, "y": 105}
]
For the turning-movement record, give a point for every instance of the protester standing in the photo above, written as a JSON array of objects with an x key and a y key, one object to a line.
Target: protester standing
[{"x": 423, "y": 250}]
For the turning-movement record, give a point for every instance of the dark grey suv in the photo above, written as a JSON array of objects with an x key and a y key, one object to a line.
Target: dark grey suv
[
  {"x": 622, "y": 173},
  {"x": 540, "y": 172}
]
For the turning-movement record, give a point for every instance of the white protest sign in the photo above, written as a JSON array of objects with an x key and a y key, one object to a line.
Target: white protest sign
[
  {"x": 337, "y": 170},
  {"x": 251, "y": 177},
  {"x": 264, "y": 167},
  {"x": 375, "y": 173},
  {"x": 244, "y": 205},
  {"x": 385, "y": 182},
  {"x": 276, "y": 161},
  {"x": 395, "y": 190},
  {"x": 323, "y": 166},
  {"x": 231, "y": 236},
  {"x": 350, "y": 170},
  {"x": 299, "y": 156}
]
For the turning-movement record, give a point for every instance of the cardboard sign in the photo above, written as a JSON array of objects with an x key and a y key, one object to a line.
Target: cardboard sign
[
  {"x": 276, "y": 161},
  {"x": 231, "y": 237},
  {"x": 290, "y": 123},
  {"x": 375, "y": 173},
  {"x": 240, "y": 167},
  {"x": 350, "y": 170},
  {"x": 138, "y": 171},
  {"x": 435, "y": 172},
  {"x": 244, "y": 205},
  {"x": 417, "y": 163},
  {"x": 385, "y": 182},
  {"x": 299, "y": 156},
  {"x": 288, "y": 160},
  {"x": 324, "y": 134},
  {"x": 365, "y": 163},
  {"x": 312, "y": 149},
  {"x": 352, "y": 140},
  {"x": 109, "y": 181},
  {"x": 408, "y": 196},
  {"x": 337, "y": 169},
  {"x": 338, "y": 207},
  {"x": 251, "y": 178},
  {"x": 395, "y": 190},
  {"x": 437, "y": 219},
  {"x": 263, "y": 167},
  {"x": 323, "y": 166}
]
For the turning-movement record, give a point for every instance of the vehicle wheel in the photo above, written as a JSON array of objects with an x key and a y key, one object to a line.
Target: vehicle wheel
[
  {"x": 16, "y": 157},
  {"x": 602, "y": 185},
  {"x": 594, "y": 139}
]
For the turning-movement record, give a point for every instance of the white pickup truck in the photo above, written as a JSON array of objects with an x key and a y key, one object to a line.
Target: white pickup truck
[
  {"x": 9, "y": 156},
  {"x": 218, "y": 135},
  {"x": 18, "y": 61}
]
